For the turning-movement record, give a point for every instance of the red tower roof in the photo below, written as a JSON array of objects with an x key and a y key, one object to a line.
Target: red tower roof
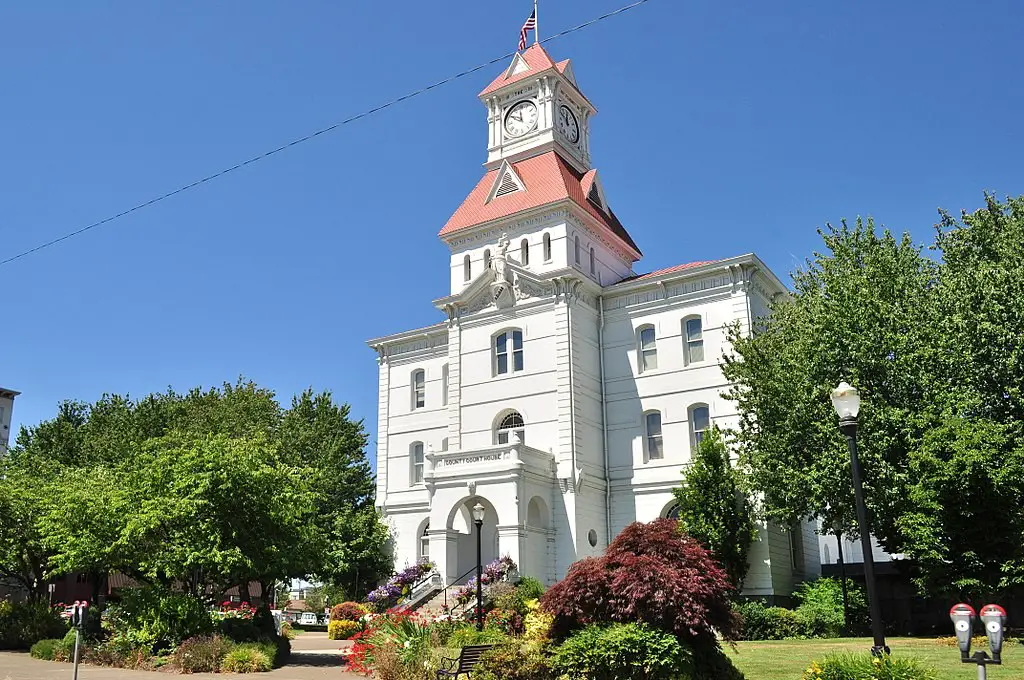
[{"x": 547, "y": 178}]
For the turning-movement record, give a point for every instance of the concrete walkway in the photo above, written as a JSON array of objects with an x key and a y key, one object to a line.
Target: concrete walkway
[{"x": 314, "y": 657}]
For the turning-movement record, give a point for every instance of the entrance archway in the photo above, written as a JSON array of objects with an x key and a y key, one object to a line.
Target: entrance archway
[{"x": 460, "y": 522}]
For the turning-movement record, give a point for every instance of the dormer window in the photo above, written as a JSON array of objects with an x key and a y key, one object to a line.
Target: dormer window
[{"x": 524, "y": 252}]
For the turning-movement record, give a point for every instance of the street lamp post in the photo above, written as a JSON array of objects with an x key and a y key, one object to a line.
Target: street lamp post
[
  {"x": 846, "y": 401},
  {"x": 478, "y": 519}
]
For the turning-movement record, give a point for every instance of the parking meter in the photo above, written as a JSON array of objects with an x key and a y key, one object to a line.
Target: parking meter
[
  {"x": 962, "y": 616},
  {"x": 994, "y": 618},
  {"x": 78, "y": 615}
]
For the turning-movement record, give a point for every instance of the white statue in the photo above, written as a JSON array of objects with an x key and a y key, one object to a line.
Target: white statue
[{"x": 499, "y": 260}]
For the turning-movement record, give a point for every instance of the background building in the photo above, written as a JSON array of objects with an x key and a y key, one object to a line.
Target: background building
[
  {"x": 562, "y": 392},
  {"x": 6, "y": 407}
]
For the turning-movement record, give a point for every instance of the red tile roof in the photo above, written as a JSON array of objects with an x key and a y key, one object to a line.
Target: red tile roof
[
  {"x": 537, "y": 58},
  {"x": 548, "y": 179},
  {"x": 669, "y": 270}
]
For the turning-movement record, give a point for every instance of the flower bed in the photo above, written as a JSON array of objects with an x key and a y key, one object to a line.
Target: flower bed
[{"x": 398, "y": 587}]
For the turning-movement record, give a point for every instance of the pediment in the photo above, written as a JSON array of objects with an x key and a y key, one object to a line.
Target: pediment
[{"x": 500, "y": 292}]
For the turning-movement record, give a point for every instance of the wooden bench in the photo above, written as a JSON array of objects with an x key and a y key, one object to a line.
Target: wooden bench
[{"x": 468, "y": 658}]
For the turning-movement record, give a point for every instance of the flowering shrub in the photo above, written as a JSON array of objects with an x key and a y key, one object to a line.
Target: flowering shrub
[
  {"x": 231, "y": 610},
  {"x": 398, "y": 586},
  {"x": 515, "y": 661},
  {"x": 342, "y": 629},
  {"x": 201, "y": 654},
  {"x": 495, "y": 572},
  {"x": 858, "y": 666},
  {"x": 650, "y": 573},
  {"x": 507, "y": 621},
  {"x": 537, "y": 624},
  {"x": 347, "y": 611},
  {"x": 407, "y": 632}
]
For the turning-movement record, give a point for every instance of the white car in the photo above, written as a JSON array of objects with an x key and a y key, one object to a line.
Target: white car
[{"x": 308, "y": 619}]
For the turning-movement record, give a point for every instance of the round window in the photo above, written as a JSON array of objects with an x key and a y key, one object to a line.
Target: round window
[{"x": 592, "y": 538}]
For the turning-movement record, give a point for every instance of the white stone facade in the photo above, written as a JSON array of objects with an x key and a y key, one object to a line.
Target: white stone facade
[
  {"x": 555, "y": 343},
  {"x": 6, "y": 408}
]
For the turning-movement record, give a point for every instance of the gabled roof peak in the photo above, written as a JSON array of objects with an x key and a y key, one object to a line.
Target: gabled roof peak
[{"x": 531, "y": 61}]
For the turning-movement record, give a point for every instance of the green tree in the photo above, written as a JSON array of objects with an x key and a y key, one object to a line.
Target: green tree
[
  {"x": 715, "y": 508},
  {"x": 863, "y": 311}
]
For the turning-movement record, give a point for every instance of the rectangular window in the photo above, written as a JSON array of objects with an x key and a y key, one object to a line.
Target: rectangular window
[
  {"x": 654, "y": 445},
  {"x": 694, "y": 341},
  {"x": 417, "y": 462},
  {"x": 424, "y": 549},
  {"x": 547, "y": 247},
  {"x": 648, "y": 350},
  {"x": 444, "y": 385},
  {"x": 700, "y": 422},
  {"x": 502, "y": 351},
  {"x": 419, "y": 389}
]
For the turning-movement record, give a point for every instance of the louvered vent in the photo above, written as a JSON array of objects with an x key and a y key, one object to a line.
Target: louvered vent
[
  {"x": 595, "y": 197},
  {"x": 508, "y": 185}
]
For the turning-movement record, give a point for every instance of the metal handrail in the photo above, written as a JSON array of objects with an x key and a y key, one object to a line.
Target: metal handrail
[{"x": 456, "y": 583}]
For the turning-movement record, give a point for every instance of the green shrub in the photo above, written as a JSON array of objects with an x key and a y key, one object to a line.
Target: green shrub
[
  {"x": 22, "y": 624},
  {"x": 160, "y": 620},
  {"x": 201, "y": 654},
  {"x": 866, "y": 666},
  {"x": 820, "y": 609},
  {"x": 120, "y": 652},
  {"x": 530, "y": 588},
  {"x": 467, "y": 634},
  {"x": 514, "y": 661},
  {"x": 65, "y": 650},
  {"x": 342, "y": 629},
  {"x": 246, "y": 659},
  {"x": 767, "y": 623},
  {"x": 44, "y": 649},
  {"x": 623, "y": 651},
  {"x": 240, "y": 630}
]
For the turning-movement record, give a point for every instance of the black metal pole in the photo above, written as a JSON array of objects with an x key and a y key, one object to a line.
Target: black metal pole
[
  {"x": 848, "y": 426},
  {"x": 842, "y": 581},
  {"x": 479, "y": 577}
]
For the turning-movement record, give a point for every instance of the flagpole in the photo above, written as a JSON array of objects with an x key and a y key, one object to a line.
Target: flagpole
[{"x": 536, "y": 25}]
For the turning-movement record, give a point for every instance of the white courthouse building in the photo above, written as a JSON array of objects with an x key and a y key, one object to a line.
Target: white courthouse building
[{"x": 561, "y": 391}]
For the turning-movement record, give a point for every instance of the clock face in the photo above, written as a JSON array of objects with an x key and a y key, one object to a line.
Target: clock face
[
  {"x": 521, "y": 118},
  {"x": 567, "y": 124}
]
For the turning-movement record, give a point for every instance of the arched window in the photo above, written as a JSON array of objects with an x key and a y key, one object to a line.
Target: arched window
[
  {"x": 547, "y": 247},
  {"x": 647, "y": 349},
  {"x": 424, "y": 547},
  {"x": 524, "y": 252},
  {"x": 487, "y": 259},
  {"x": 576, "y": 249},
  {"x": 444, "y": 385},
  {"x": 419, "y": 389},
  {"x": 700, "y": 422},
  {"x": 467, "y": 269},
  {"x": 416, "y": 462},
  {"x": 508, "y": 343},
  {"x": 693, "y": 340},
  {"x": 652, "y": 435},
  {"x": 509, "y": 426},
  {"x": 672, "y": 511},
  {"x": 593, "y": 266}
]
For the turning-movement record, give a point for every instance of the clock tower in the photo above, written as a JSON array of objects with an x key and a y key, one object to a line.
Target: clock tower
[{"x": 535, "y": 106}]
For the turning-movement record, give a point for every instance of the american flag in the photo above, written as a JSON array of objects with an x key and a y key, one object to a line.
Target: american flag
[{"x": 529, "y": 25}]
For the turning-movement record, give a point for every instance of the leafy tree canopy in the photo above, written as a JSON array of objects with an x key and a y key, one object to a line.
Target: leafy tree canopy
[{"x": 935, "y": 348}]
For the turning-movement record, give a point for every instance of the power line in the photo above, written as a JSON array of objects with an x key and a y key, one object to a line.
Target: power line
[{"x": 306, "y": 138}]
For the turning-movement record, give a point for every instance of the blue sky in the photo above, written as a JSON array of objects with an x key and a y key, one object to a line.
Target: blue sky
[{"x": 724, "y": 128}]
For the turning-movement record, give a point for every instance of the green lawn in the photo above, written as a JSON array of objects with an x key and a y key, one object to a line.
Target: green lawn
[{"x": 787, "y": 659}]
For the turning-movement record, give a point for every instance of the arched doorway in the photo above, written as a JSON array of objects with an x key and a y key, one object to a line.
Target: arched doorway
[
  {"x": 538, "y": 529},
  {"x": 460, "y": 522}
]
